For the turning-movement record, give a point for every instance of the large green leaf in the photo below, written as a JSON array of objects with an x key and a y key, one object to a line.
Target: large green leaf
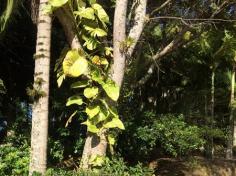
[
  {"x": 92, "y": 111},
  {"x": 80, "y": 84},
  {"x": 97, "y": 76},
  {"x": 90, "y": 92},
  {"x": 95, "y": 32},
  {"x": 96, "y": 160},
  {"x": 75, "y": 64},
  {"x": 90, "y": 127},
  {"x": 111, "y": 89},
  {"x": 111, "y": 139},
  {"x": 115, "y": 123},
  {"x": 60, "y": 79},
  {"x": 57, "y": 3},
  {"x": 87, "y": 13},
  {"x": 74, "y": 100},
  {"x": 90, "y": 42},
  {"x": 101, "y": 13}
]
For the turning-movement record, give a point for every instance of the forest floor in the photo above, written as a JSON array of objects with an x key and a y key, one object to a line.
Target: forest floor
[{"x": 195, "y": 166}]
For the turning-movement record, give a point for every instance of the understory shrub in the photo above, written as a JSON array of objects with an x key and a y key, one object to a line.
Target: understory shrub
[
  {"x": 172, "y": 133},
  {"x": 112, "y": 167},
  {"x": 166, "y": 134},
  {"x": 14, "y": 160}
]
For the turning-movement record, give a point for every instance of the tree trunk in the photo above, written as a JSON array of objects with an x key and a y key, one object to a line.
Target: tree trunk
[
  {"x": 97, "y": 145},
  {"x": 231, "y": 139},
  {"x": 39, "y": 133},
  {"x": 210, "y": 146}
]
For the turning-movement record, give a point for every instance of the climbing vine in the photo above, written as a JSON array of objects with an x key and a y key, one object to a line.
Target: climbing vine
[{"x": 95, "y": 91}]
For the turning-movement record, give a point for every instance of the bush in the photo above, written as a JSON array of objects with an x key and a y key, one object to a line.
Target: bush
[
  {"x": 173, "y": 134},
  {"x": 168, "y": 134},
  {"x": 14, "y": 160},
  {"x": 112, "y": 167}
]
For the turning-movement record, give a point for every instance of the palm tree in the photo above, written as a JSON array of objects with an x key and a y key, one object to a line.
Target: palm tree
[{"x": 39, "y": 133}]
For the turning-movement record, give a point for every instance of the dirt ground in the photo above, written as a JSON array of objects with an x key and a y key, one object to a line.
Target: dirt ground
[{"x": 195, "y": 166}]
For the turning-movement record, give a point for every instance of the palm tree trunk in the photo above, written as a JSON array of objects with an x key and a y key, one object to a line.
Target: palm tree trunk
[
  {"x": 39, "y": 133},
  {"x": 231, "y": 140}
]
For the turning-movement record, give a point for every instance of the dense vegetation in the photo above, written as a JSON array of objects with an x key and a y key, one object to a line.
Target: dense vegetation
[{"x": 124, "y": 89}]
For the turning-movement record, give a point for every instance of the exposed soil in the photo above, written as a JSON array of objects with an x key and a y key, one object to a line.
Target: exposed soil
[{"x": 196, "y": 166}]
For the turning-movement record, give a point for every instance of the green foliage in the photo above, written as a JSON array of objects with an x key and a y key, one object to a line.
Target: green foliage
[
  {"x": 14, "y": 160},
  {"x": 173, "y": 134},
  {"x": 117, "y": 167},
  {"x": 4, "y": 17},
  {"x": 75, "y": 64},
  {"x": 111, "y": 167},
  {"x": 168, "y": 134},
  {"x": 95, "y": 92},
  {"x": 56, "y": 150}
]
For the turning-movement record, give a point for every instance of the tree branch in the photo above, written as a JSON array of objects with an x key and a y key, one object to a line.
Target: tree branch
[
  {"x": 66, "y": 19},
  {"x": 174, "y": 44},
  {"x": 166, "y": 50},
  {"x": 160, "y": 7},
  {"x": 139, "y": 20},
  {"x": 192, "y": 19}
]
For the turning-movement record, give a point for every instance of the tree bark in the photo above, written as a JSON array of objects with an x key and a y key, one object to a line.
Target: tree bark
[
  {"x": 139, "y": 21},
  {"x": 210, "y": 145},
  {"x": 67, "y": 22},
  {"x": 231, "y": 139},
  {"x": 39, "y": 133}
]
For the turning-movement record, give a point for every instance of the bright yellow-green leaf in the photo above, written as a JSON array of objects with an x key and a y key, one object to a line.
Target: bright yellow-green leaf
[
  {"x": 92, "y": 111},
  {"x": 99, "y": 61},
  {"x": 187, "y": 35},
  {"x": 60, "y": 80},
  {"x": 111, "y": 89},
  {"x": 101, "y": 13},
  {"x": 90, "y": 42},
  {"x": 90, "y": 127},
  {"x": 79, "y": 84},
  {"x": 113, "y": 112},
  {"x": 96, "y": 60},
  {"x": 104, "y": 61},
  {"x": 90, "y": 92},
  {"x": 96, "y": 160},
  {"x": 101, "y": 116},
  {"x": 87, "y": 13},
  {"x": 115, "y": 123},
  {"x": 74, "y": 64},
  {"x": 108, "y": 51},
  {"x": 99, "y": 32},
  {"x": 95, "y": 31},
  {"x": 57, "y": 3},
  {"x": 111, "y": 139},
  {"x": 70, "y": 118},
  {"x": 97, "y": 76},
  {"x": 74, "y": 100}
]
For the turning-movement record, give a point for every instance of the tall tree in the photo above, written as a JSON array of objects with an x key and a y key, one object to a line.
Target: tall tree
[
  {"x": 39, "y": 133},
  {"x": 231, "y": 140},
  {"x": 97, "y": 145}
]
